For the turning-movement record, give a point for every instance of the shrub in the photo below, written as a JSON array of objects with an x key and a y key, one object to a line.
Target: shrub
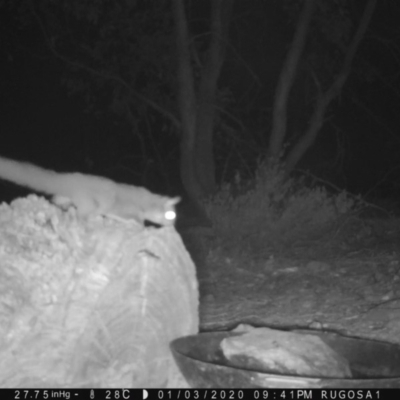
[{"x": 275, "y": 204}]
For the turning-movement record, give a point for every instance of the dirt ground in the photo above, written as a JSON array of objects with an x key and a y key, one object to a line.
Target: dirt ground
[{"x": 347, "y": 281}]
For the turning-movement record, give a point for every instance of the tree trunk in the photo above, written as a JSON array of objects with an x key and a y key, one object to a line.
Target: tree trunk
[
  {"x": 205, "y": 165},
  {"x": 187, "y": 105},
  {"x": 198, "y": 113},
  {"x": 324, "y": 99},
  {"x": 286, "y": 79}
]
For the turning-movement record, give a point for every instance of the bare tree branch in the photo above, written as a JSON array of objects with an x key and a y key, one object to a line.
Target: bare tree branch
[
  {"x": 102, "y": 74},
  {"x": 286, "y": 79},
  {"x": 324, "y": 99}
]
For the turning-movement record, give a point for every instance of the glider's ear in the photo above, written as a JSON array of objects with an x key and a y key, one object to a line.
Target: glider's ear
[{"x": 173, "y": 201}]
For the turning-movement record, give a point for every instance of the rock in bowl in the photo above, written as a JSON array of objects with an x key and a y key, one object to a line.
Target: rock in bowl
[{"x": 373, "y": 364}]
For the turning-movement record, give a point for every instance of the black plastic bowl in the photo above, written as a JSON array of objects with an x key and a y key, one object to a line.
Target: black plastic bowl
[{"x": 373, "y": 364}]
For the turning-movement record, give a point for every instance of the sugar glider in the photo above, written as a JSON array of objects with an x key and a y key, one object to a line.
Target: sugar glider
[{"x": 92, "y": 195}]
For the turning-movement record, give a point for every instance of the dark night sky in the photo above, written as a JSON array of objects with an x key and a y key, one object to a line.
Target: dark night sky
[{"x": 41, "y": 124}]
